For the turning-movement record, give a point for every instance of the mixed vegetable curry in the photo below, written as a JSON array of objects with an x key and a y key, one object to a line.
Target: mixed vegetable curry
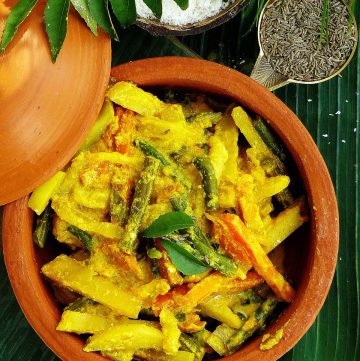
[{"x": 169, "y": 211}]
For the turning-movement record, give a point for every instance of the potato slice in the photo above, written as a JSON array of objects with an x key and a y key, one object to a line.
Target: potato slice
[
  {"x": 80, "y": 323},
  {"x": 82, "y": 279},
  {"x": 126, "y": 337},
  {"x": 170, "y": 330},
  {"x": 129, "y": 96}
]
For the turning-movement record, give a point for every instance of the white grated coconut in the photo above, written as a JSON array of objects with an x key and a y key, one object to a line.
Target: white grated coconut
[{"x": 171, "y": 14}]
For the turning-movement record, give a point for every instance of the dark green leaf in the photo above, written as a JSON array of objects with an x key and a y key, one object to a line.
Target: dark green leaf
[
  {"x": 183, "y": 4},
  {"x": 125, "y": 11},
  {"x": 184, "y": 261},
  {"x": 99, "y": 10},
  {"x": 56, "y": 18},
  {"x": 18, "y": 14},
  {"x": 168, "y": 223},
  {"x": 82, "y": 8},
  {"x": 155, "y": 6}
]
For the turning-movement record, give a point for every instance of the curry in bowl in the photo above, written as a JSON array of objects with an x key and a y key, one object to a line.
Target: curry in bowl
[{"x": 173, "y": 213}]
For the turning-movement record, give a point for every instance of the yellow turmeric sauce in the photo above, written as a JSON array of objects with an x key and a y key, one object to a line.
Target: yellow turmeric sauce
[{"x": 168, "y": 212}]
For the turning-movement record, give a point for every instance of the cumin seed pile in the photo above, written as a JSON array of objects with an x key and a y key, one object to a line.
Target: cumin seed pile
[{"x": 290, "y": 34}]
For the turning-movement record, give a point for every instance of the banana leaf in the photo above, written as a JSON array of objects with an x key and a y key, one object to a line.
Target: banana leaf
[{"x": 331, "y": 113}]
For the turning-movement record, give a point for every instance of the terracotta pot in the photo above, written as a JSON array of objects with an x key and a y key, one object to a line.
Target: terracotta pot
[
  {"x": 155, "y": 27},
  {"x": 311, "y": 252},
  {"x": 46, "y": 109}
]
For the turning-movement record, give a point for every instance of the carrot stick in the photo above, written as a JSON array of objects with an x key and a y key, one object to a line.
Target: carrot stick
[
  {"x": 235, "y": 250},
  {"x": 258, "y": 257},
  {"x": 169, "y": 299},
  {"x": 214, "y": 283}
]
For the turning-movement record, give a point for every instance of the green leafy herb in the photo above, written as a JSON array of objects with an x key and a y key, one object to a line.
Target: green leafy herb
[
  {"x": 183, "y": 4},
  {"x": 124, "y": 10},
  {"x": 155, "y": 6},
  {"x": 82, "y": 8},
  {"x": 168, "y": 223},
  {"x": 56, "y": 18},
  {"x": 93, "y": 12},
  {"x": 99, "y": 10},
  {"x": 184, "y": 261},
  {"x": 18, "y": 14}
]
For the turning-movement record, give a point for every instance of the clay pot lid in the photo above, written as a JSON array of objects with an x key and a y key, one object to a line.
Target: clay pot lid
[{"x": 46, "y": 109}]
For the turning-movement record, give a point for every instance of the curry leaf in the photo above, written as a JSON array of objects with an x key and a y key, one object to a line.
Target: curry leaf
[
  {"x": 82, "y": 8},
  {"x": 155, "y": 6},
  {"x": 99, "y": 10},
  {"x": 183, "y": 4},
  {"x": 167, "y": 223},
  {"x": 184, "y": 261},
  {"x": 18, "y": 14},
  {"x": 56, "y": 18},
  {"x": 124, "y": 10}
]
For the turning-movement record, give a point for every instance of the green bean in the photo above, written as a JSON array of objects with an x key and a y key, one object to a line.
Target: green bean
[
  {"x": 169, "y": 167},
  {"x": 180, "y": 203},
  {"x": 215, "y": 260},
  {"x": 142, "y": 194},
  {"x": 85, "y": 238},
  {"x": 275, "y": 163},
  {"x": 219, "y": 338},
  {"x": 117, "y": 207},
  {"x": 150, "y": 150},
  {"x": 269, "y": 138},
  {"x": 205, "y": 119},
  {"x": 181, "y": 241},
  {"x": 254, "y": 323},
  {"x": 249, "y": 296},
  {"x": 201, "y": 244},
  {"x": 192, "y": 345},
  {"x": 201, "y": 336},
  {"x": 42, "y": 228},
  {"x": 285, "y": 198},
  {"x": 209, "y": 181},
  {"x": 277, "y": 167}
]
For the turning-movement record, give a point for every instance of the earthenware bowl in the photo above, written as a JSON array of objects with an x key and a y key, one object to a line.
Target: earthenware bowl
[
  {"x": 46, "y": 109},
  {"x": 156, "y": 27},
  {"x": 311, "y": 252}
]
